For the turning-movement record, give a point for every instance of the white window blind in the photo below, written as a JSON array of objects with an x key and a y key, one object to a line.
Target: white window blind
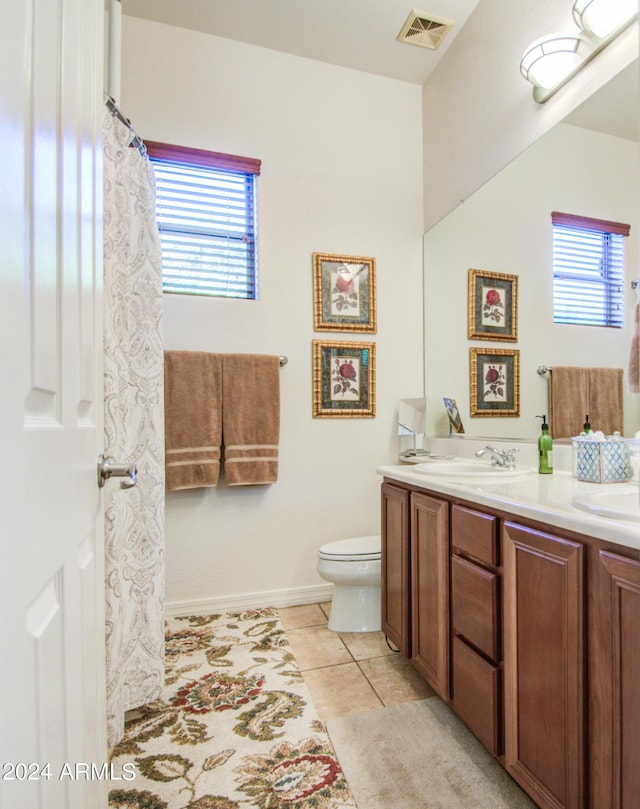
[
  {"x": 588, "y": 270},
  {"x": 205, "y": 208}
]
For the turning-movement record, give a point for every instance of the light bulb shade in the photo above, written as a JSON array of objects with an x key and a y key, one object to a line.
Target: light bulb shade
[
  {"x": 603, "y": 17},
  {"x": 550, "y": 59}
]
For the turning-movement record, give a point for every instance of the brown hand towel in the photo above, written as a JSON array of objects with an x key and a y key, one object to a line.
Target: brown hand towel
[
  {"x": 568, "y": 401},
  {"x": 606, "y": 410},
  {"x": 193, "y": 418},
  {"x": 633, "y": 376},
  {"x": 251, "y": 418}
]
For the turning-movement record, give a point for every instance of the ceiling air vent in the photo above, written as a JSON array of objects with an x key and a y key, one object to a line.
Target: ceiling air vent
[{"x": 424, "y": 30}]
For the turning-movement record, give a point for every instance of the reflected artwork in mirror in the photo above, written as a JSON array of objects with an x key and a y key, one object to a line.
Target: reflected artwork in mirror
[
  {"x": 494, "y": 382},
  {"x": 493, "y": 305},
  {"x": 455, "y": 421}
]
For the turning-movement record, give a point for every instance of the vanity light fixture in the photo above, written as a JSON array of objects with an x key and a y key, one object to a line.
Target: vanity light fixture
[
  {"x": 551, "y": 59},
  {"x": 549, "y": 62},
  {"x": 602, "y": 17}
]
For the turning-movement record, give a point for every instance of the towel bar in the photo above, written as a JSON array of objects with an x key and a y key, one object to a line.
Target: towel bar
[{"x": 283, "y": 360}]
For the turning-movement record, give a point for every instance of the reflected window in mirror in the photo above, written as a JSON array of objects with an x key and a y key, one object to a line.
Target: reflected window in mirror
[{"x": 588, "y": 270}]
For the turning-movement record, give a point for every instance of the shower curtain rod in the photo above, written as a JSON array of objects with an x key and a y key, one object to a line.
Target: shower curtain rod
[{"x": 136, "y": 141}]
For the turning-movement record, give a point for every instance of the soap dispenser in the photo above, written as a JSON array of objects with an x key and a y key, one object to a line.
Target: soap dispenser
[
  {"x": 586, "y": 426},
  {"x": 545, "y": 449}
]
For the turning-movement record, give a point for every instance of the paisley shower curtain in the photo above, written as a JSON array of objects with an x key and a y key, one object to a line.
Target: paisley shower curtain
[{"x": 133, "y": 428}]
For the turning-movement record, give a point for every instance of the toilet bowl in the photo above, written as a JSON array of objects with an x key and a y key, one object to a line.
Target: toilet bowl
[{"x": 353, "y": 566}]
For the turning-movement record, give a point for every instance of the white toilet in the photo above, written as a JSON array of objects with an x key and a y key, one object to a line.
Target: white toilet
[{"x": 353, "y": 565}]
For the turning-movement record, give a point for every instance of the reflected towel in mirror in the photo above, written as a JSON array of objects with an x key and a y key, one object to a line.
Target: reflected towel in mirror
[
  {"x": 633, "y": 375},
  {"x": 575, "y": 392}
]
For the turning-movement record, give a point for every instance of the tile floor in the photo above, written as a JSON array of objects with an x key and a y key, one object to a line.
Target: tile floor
[{"x": 348, "y": 672}]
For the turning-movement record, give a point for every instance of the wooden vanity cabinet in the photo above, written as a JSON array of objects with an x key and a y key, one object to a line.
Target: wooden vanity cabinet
[
  {"x": 476, "y": 677},
  {"x": 430, "y": 590},
  {"x": 544, "y": 664},
  {"x": 395, "y": 567},
  {"x": 415, "y": 580},
  {"x": 614, "y": 680},
  {"x": 530, "y": 633}
]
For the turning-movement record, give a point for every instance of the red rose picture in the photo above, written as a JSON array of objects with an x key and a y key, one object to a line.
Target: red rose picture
[
  {"x": 344, "y": 378},
  {"x": 494, "y": 380},
  {"x": 493, "y": 306},
  {"x": 345, "y": 295}
]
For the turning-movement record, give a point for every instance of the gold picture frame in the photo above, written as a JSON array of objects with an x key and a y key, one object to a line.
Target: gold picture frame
[
  {"x": 492, "y": 306},
  {"x": 494, "y": 382},
  {"x": 344, "y": 293},
  {"x": 344, "y": 379}
]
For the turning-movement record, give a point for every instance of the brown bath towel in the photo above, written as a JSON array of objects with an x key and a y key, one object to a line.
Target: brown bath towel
[
  {"x": 605, "y": 400},
  {"x": 576, "y": 392},
  {"x": 193, "y": 418},
  {"x": 251, "y": 418},
  {"x": 568, "y": 400}
]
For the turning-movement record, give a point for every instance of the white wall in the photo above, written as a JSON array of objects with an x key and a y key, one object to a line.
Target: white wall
[
  {"x": 479, "y": 113},
  {"x": 341, "y": 159},
  {"x": 506, "y": 227}
]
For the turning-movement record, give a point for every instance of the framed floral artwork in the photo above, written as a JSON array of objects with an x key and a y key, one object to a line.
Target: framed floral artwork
[
  {"x": 344, "y": 379},
  {"x": 493, "y": 306},
  {"x": 344, "y": 293},
  {"x": 494, "y": 376}
]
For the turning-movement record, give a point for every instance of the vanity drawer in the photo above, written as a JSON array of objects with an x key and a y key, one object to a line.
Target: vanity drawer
[
  {"x": 474, "y": 605},
  {"x": 475, "y": 686},
  {"x": 475, "y": 533}
]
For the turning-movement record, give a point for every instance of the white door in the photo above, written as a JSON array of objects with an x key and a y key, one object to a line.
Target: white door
[{"x": 51, "y": 584}]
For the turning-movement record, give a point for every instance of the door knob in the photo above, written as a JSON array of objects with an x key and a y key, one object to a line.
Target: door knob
[{"x": 107, "y": 468}]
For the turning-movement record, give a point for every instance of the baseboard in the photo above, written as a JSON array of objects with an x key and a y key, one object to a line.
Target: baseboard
[{"x": 291, "y": 597}]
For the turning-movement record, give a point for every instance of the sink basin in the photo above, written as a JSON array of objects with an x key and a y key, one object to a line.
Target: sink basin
[
  {"x": 470, "y": 469},
  {"x": 617, "y": 504}
]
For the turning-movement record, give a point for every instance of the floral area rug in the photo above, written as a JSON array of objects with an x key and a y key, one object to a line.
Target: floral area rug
[{"x": 234, "y": 728}]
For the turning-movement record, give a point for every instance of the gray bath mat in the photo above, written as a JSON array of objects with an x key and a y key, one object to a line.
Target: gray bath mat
[{"x": 419, "y": 755}]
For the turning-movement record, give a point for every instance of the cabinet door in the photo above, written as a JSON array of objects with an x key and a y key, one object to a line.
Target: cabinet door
[
  {"x": 544, "y": 657},
  {"x": 395, "y": 591},
  {"x": 615, "y": 691},
  {"x": 430, "y": 590}
]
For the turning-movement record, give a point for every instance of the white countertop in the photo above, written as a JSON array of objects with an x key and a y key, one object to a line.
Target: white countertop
[{"x": 545, "y": 498}]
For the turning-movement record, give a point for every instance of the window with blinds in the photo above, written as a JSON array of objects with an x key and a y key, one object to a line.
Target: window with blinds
[
  {"x": 588, "y": 270},
  {"x": 206, "y": 213}
]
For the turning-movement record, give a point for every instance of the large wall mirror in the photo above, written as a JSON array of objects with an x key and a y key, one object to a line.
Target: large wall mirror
[{"x": 586, "y": 165}]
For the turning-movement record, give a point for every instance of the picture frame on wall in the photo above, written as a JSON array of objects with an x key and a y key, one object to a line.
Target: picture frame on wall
[
  {"x": 492, "y": 306},
  {"x": 344, "y": 379},
  {"x": 344, "y": 293},
  {"x": 494, "y": 377}
]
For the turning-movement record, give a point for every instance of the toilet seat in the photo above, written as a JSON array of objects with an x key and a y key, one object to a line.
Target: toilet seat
[{"x": 356, "y": 549}]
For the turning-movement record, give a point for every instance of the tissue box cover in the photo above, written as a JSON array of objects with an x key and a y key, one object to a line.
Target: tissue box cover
[{"x": 602, "y": 461}]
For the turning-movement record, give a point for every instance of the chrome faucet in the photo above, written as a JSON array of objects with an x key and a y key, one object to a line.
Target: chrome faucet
[{"x": 504, "y": 458}]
